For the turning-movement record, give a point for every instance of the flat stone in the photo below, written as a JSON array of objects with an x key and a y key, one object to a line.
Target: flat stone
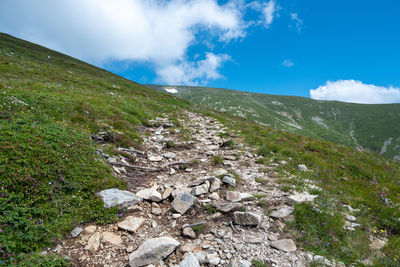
[
  {"x": 77, "y": 231},
  {"x": 90, "y": 229},
  {"x": 303, "y": 197},
  {"x": 220, "y": 172},
  {"x": 229, "y": 180},
  {"x": 246, "y": 218},
  {"x": 93, "y": 242},
  {"x": 228, "y": 207},
  {"x": 190, "y": 261},
  {"x": 152, "y": 251},
  {"x": 150, "y": 194},
  {"x": 188, "y": 232},
  {"x": 183, "y": 202},
  {"x": 155, "y": 158},
  {"x": 112, "y": 238},
  {"x": 233, "y": 196},
  {"x": 286, "y": 245},
  {"x": 114, "y": 197},
  {"x": 201, "y": 189},
  {"x": 282, "y": 212},
  {"x": 169, "y": 155},
  {"x": 131, "y": 224}
]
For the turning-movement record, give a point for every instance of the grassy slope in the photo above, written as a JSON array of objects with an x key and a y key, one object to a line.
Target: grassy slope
[
  {"x": 47, "y": 160},
  {"x": 49, "y": 174},
  {"x": 372, "y": 124}
]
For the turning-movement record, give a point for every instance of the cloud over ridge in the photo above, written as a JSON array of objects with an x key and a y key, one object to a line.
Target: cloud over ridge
[{"x": 356, "y": 92}]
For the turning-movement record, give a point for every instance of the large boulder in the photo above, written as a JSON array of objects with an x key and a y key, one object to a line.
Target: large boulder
[
  {"x": 152, "y": 251},
  {"x": 120, "y": 198},
  {"x": 183, "y": 202}
]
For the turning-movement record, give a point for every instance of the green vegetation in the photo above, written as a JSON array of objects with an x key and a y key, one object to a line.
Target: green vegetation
[
  {"x": 369, "y": 126},
  {"x": 260, "y": 263},
  {"x": 50, "y": 104},
  {"x": 210, "y": 209},
  {"x": 217, "y": 160},
  {"x": 198, "y": 229}
]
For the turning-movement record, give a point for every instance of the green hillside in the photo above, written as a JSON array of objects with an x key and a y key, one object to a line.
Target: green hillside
[
  {"x": 368, "y": 127},
  {"x": 51, "y": 105}
]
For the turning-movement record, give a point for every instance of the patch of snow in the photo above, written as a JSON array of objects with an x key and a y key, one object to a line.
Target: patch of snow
[
  {"x": 396, "y": 158},
  {"x": 171, "y": 90}
]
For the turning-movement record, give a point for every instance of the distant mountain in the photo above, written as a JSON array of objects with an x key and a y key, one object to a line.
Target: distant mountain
[{"x": 368, "y": 127}]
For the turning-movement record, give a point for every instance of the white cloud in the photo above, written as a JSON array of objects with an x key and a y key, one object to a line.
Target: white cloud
[
  {"x": 269, "y": 12},
  {"x": 155, "y": 31},
  {"x": 288, "y": 63},
  {"x": 298, "y": 22},
  {"x": 356, "y": 92},
  {"x": 192, "y": 73}
]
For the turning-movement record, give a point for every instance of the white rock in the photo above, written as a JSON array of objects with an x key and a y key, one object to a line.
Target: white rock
[
  {"x": 131, "y": 224},
  {"x": 214, "y": 196},
  {"x": 183, "y": 202},
  {"x": 112, "y": 238},
  {"x": 190, "y": 261},
  {"x": 229, "y": 180},
  {"x": 302, "y": 197},
  {"x": 215, "y": 185},
  {"x": 220, "y": 172},
  {"x": 169, "y": 155},
  {"x": 93, "y": 242},
  {"x": 201, "y": 189},
  {"x": 119, "y": 198},
  {"x": 152, "y": 251},
  {"x": 286, "y": 245},
  {"x": 155, "y": 158},
  {"x": 150, "y": 194},
  {"x": 302, "y": 168},
  {"x": 76, "y": 231},
  {"x": 282, "y": 212}
]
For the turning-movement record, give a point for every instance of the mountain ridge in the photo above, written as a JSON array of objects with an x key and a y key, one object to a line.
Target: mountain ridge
[{"x": 364, "y": 126}]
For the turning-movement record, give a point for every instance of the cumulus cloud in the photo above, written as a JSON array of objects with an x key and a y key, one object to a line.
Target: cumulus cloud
[
  {"x": 193, "y": 73},
  {"x": 298, "y": 23},
  {"x": 356, "y": 92},
  {"x": 155, "y": 31},
  {"x": 288, "y": 63}
]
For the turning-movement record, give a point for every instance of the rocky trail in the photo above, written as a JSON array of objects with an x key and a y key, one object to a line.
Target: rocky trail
[{"x": 192, "y": 200}]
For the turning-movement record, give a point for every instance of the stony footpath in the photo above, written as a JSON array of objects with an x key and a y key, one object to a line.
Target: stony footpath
[{"x": 192, "y": 200}]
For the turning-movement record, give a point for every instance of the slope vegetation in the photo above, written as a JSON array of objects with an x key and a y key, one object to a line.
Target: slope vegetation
[{"x": 367, "y": 127}]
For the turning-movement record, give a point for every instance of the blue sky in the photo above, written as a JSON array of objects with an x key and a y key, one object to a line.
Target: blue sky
[{"x": 344, "y": 50}]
